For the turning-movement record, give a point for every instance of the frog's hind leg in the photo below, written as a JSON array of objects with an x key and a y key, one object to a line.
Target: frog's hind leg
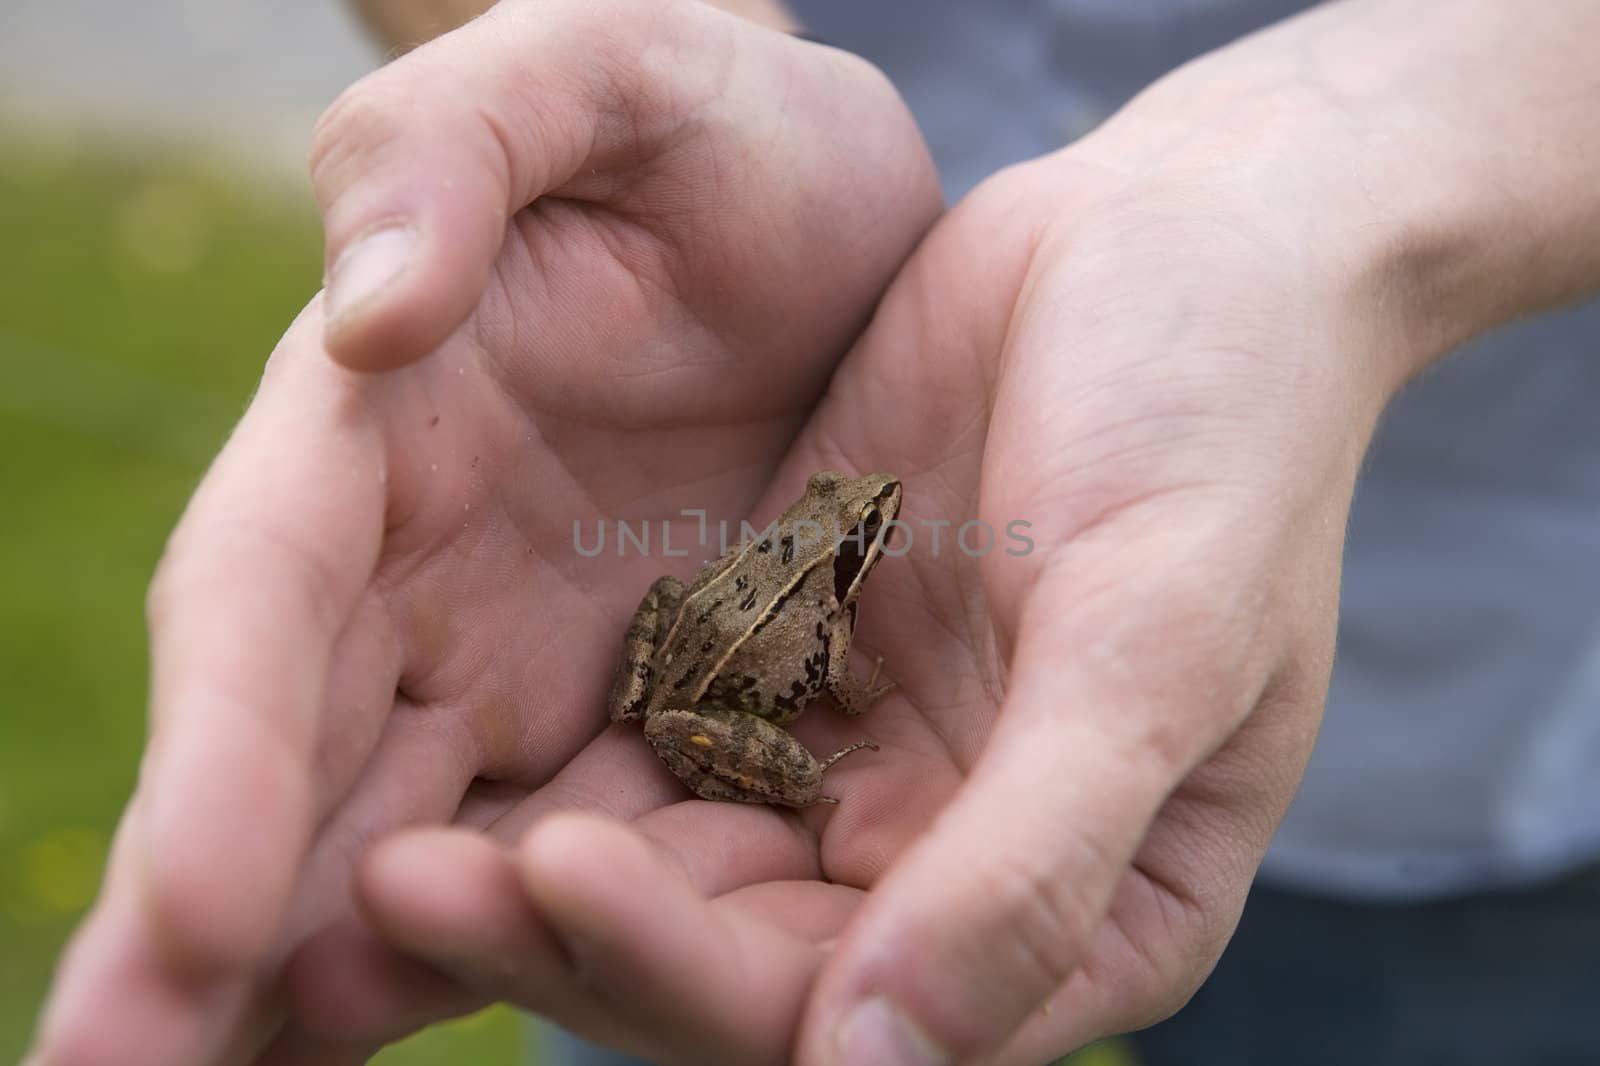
[
  {"x": 850, "y": 693},
  {"x": 733, "y": 755},
  {"x": 841, "y": 753},
  {"x": 630, "y": 690}
]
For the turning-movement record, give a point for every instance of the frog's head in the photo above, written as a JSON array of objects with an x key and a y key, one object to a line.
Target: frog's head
[{"x": 863, "y": 507}]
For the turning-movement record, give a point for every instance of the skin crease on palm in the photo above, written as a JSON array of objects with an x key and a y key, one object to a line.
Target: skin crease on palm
[{"x": 1145, "y": 345}]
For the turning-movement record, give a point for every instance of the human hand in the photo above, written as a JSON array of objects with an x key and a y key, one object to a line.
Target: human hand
[
  {"x": 1165, "y": 348},
  {"x": 371, "y": 614}
]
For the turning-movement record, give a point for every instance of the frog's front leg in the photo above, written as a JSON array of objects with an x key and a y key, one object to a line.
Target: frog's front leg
[
  {"x": 852, "y": 694},
  {"x": 735, "y": 755},
  {"x": 630, "y": 691}
]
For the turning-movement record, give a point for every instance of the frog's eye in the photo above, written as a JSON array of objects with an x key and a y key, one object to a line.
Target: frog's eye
[{"x": 871, "y": 520}]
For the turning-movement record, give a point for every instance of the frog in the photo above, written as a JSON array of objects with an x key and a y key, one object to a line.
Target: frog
[{"x": 717, "y": 667}]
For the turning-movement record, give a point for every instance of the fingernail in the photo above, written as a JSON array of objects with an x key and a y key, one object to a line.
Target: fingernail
[
  {"x": 364, "y": 268},
  {"x": 877, "y": 1032}
]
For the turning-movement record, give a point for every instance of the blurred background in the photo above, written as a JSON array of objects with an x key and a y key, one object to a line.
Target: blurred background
[{"x": 157, "y": 234}]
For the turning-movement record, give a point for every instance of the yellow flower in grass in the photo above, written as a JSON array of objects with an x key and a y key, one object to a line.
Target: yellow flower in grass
[{"x": 62, "y": 869}]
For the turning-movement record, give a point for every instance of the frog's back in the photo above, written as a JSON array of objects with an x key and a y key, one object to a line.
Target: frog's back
[{"x": 782, "y": 662}]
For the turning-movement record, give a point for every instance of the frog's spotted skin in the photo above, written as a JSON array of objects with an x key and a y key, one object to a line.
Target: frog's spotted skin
[{"x": 715, "y": 667}]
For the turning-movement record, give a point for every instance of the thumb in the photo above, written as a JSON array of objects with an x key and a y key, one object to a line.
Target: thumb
[
  {"x": 987, "y": 916},
  {"x": 418, "y": 167}
]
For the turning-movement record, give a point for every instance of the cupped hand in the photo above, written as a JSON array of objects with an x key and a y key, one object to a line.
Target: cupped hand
[
  {"x": 373, "y": 614},
  {"x": 1158, "y": 356}
]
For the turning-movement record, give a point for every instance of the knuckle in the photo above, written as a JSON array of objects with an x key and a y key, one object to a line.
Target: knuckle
[
  {"x": 1046, "y": 926},
  {"x": 194, "y": 933},
  {"x": 367, "y": 116},
  {"x": 160, "y": 598},
  {"x": 1172, "y": 968},
  {"x": 1158, "y": 1001},
  {"x": 307, "y": 577},
  {"x": 174, "y": 579},
  {"x": 1167, "y": 982}
]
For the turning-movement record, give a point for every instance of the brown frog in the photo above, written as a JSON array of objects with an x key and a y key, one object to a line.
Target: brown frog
[{"x": 715, "y": 667}]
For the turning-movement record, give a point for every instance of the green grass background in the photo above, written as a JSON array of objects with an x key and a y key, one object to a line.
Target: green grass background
[{"x": 140, "y": 292}]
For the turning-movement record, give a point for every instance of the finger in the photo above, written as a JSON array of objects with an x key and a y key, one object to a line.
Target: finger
[
  {"x": 1175, "y": 908},
  {"x": 450, "y": 898},
  {"x": 437, "y": 894},
  {"x": 119, "y": 966},
  {"x": 615, "y": 774},
  {"x": 347, "y": 984},
  {"x": 117, "y": 983},
  {"x": 416, "y": 775},
  {"x": 718, "y": 846},
  {"x": 631, "y": 925},
  {"x": 996, "y": 906},
  {"x": 813, "y": 911},
  {"x": 364, "y": 670},
  {"x": 258, "y": 581},
  {"x": 458, "y": 901},
  {"x": 343, "y": 983},
  {"x": 419, "y": 166}
]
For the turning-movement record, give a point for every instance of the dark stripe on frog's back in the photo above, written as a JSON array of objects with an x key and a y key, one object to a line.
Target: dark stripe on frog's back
[
  {"x": 716, "y": 569},
  {"x": 670, "y": 682},
  {"x": 798, "y": 642},
  {"x": 682, "y": 690}
]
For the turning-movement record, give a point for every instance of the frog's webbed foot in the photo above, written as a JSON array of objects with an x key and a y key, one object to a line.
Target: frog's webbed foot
[
  {"x": 841, "y": 753},
  {"x": 733, "y": 755},
  {"x": 630, "y": 690},
  {"x": 852, "y": 694}
]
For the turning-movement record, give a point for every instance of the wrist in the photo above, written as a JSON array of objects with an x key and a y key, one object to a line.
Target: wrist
[
  {"x": 1436, "y": 177},
  {"x": 1270, "y": 245}
]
